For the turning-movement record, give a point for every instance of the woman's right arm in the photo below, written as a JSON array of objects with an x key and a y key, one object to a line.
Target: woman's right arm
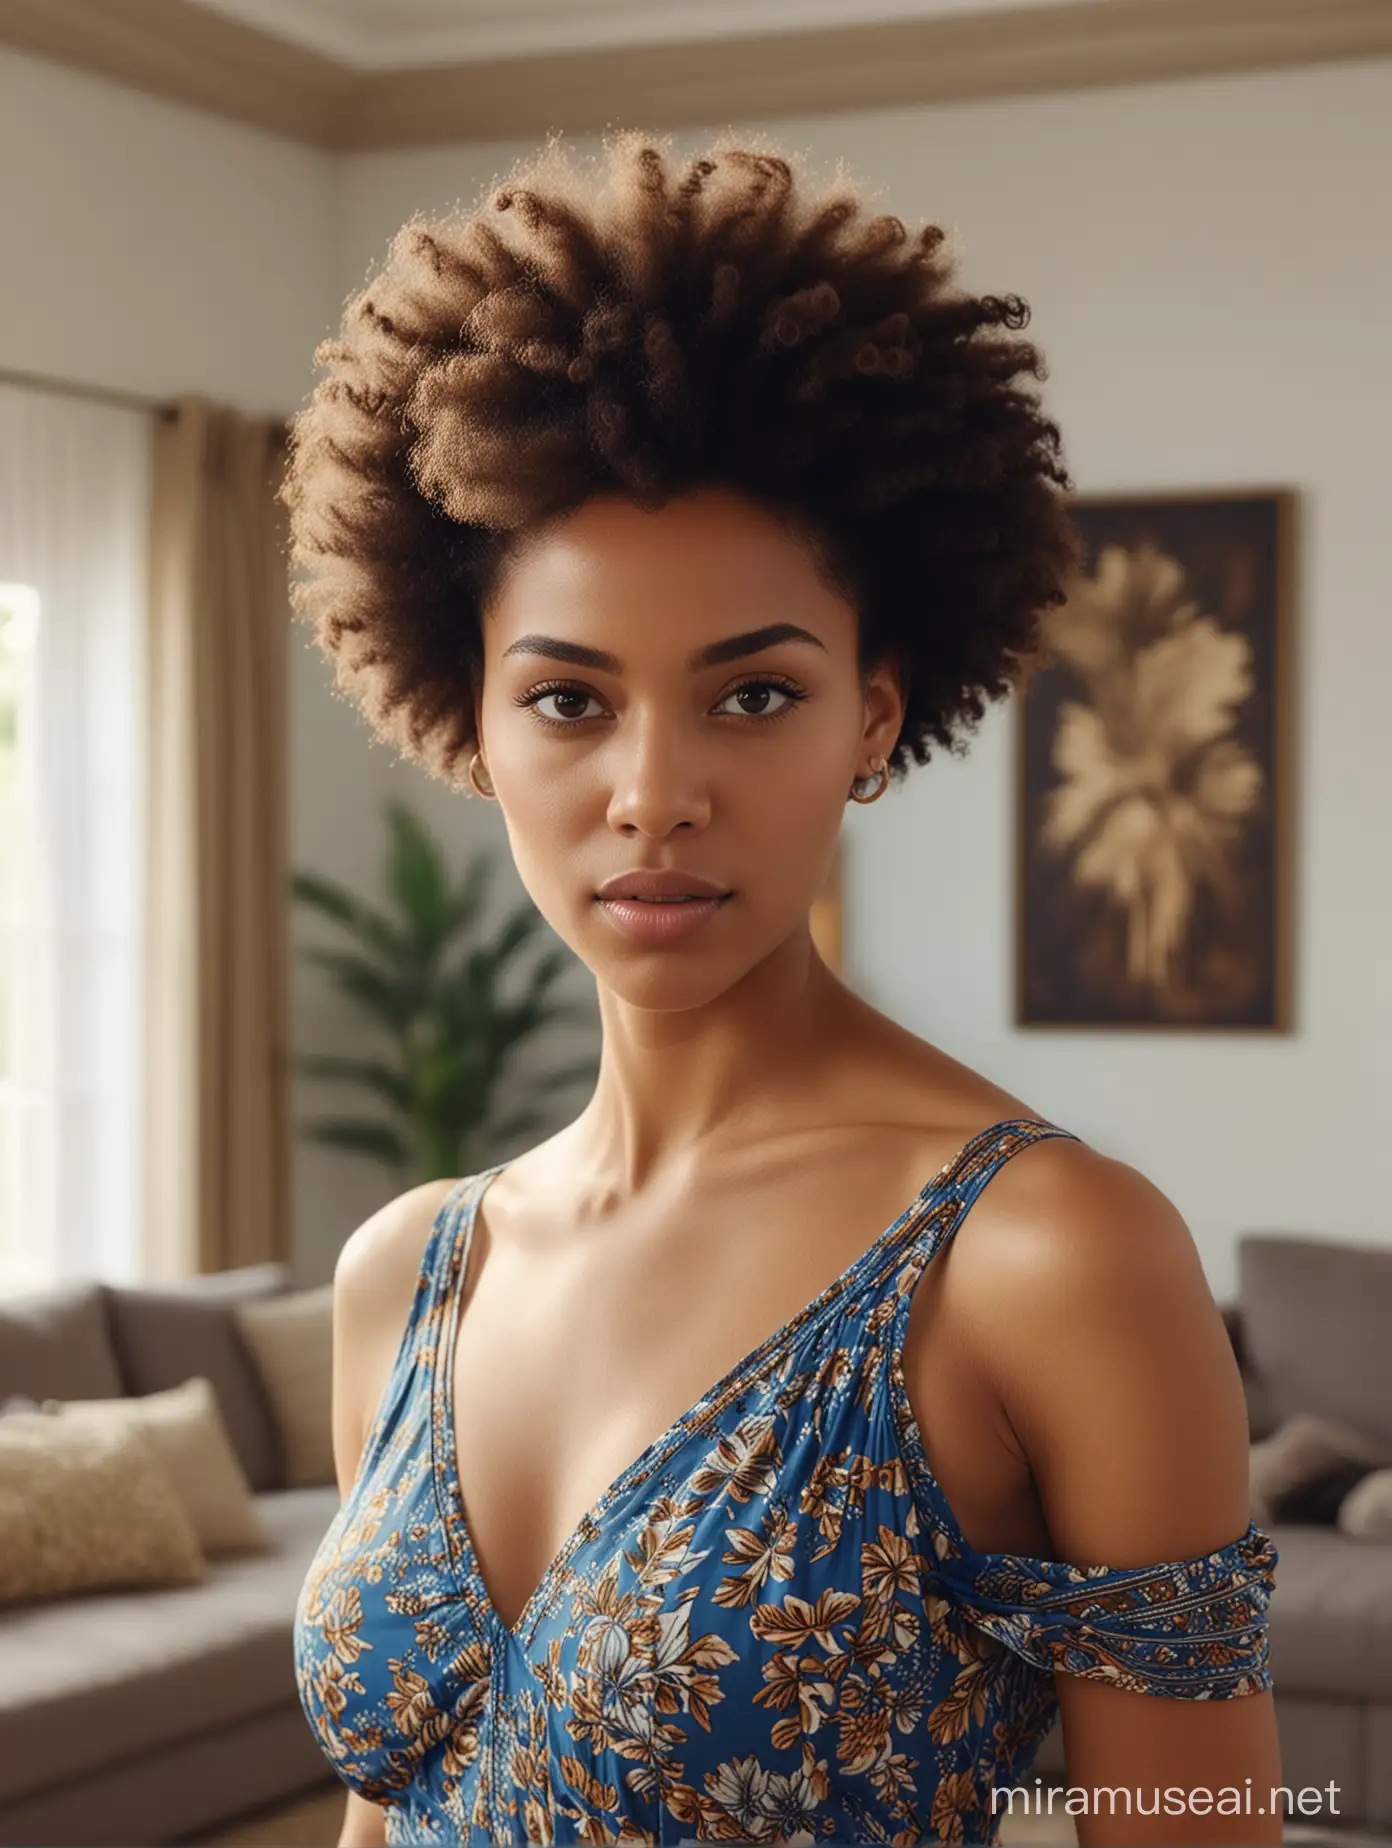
[{"x": 373, "y": 1287}]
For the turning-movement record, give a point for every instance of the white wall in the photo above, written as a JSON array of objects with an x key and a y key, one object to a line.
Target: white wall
[
  {"x": 1209, "y": 265},
  {"x": 149, "y": 246}
]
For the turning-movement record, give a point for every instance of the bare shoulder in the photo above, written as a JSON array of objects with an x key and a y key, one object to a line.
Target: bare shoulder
[
  {"x": 1092, "y": 1320},
  {"x": 1063, "y": 1217},
  {"x": 374, "y": 1283},
  {"x": 382, "y": 1256}
]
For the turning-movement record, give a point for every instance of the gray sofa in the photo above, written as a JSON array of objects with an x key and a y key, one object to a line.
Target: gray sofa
[{"x": 142, "y": 1716}]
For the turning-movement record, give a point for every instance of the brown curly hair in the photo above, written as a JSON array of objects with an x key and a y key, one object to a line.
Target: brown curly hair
[{"x": 648, "y": 334}]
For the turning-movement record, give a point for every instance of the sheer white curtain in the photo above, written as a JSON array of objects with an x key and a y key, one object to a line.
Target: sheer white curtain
[{"x": 74, "y": 533}]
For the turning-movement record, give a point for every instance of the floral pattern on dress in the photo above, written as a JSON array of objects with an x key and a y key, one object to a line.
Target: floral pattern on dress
[{"x": 769, "y": 1628}]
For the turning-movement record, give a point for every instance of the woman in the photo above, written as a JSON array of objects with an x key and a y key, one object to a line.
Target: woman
[{"x": 671, "y": 510}]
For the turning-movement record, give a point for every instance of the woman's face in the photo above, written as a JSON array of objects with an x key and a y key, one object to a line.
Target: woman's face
[{"x": 675, "y": 690}]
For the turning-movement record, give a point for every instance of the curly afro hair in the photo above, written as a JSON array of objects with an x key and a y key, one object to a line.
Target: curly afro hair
[{"x": 646, "y": 333}]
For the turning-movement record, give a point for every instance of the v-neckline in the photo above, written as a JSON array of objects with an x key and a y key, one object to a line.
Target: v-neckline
[{"x": 459, "y": 1541}]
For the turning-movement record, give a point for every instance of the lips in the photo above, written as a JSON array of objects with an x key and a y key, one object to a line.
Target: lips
[
  {"x": 662, "y": 922},
  {"x": 658, "y": 885}
]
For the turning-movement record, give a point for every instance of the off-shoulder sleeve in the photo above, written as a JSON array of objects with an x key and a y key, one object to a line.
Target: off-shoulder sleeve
[{"x": 1192, "y": 1628}]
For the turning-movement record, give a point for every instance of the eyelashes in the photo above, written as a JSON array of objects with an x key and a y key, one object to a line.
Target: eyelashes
[{"x": 793, "y": 693}]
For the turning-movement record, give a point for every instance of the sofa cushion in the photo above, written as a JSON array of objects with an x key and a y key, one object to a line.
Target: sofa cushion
[
  {"x": 1366, "y": 1511},
  {"x": 1331, "y": 1615},
  {"x": 95, "y": 1681},
  {"x": 1303, "y": 1471},
  {"x": 291, "y": 1338},
  {"x": 1314, "y": 1318},
  {"x": 56, "y": 1344},
  {"x": 86, "y": 1505},
  {"x": 167, "y": 1333},
  {"x": 187, "y": 1431}
]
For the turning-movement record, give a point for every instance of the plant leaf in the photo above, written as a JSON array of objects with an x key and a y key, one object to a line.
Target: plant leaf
[
  {"x": 563, "y": 1075},
  {"x": 452, "y": 1078},
  {"x": 344, "y": 907},
  {"x": 548, "y": 968},
  {"x": 456, "y": 1033},
  {"x": 466, "y": 902},
  {"x": 393, "y": 1085},
  {"x": 390, "y": 1000},
  {"x": 361, "y": 1135},
  {"x": 418, "y": 879},
  {"x": 515, "y": 930},
  {"x": 517, "y": 1123},
  {"x": 526, "y": 1016}
]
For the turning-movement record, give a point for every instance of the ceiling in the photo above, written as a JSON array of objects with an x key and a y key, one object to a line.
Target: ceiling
[
  {"x": 358, "y": 75},
  {"x": 412, "y": 34}
]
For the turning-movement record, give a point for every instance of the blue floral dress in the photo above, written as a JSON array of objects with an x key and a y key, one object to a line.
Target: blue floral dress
[{"x": 769, "y": 1628}]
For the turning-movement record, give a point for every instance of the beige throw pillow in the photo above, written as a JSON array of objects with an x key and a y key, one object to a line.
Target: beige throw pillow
[
  {"x": 1307, "y": 1450},
  {"x": 87, "y": 1505},
  {"x": 191, "y": 1440},
  {"x": 1365, "y": 1513},
  {"x": 291, "y": 1341}
]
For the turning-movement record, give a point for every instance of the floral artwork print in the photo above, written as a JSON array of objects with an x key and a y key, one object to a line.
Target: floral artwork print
[
  {"x": 1151, "y": 825},
  {"x": 769, "y": 1628}
]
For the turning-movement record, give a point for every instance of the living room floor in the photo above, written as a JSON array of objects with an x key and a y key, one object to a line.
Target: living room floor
[{"x": 315, "y": 1819}]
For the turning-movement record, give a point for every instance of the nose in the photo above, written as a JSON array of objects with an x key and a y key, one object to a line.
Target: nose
[{"x": 659, "y": 781}]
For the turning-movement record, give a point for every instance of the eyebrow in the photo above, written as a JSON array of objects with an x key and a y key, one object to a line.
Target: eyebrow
[{"x": 713, "y": 654}]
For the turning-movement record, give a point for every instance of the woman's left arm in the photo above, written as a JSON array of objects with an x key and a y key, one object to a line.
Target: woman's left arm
[{"x": 1112, "y": 1365}]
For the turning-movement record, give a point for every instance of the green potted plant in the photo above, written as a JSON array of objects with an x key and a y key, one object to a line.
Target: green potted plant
[{"x": 421, "y": 973}]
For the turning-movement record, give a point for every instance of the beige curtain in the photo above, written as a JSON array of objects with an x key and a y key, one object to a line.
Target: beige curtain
[{"x": 217, "y": 1134}]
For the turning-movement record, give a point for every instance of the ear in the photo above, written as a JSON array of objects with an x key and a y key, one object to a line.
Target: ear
[{"x": 886, "y": 687}]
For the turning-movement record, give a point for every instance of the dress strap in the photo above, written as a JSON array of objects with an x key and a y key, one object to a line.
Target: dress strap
[
  {"x": 955, "y": 1192},
  {"x": 951, "y": 1198},
  {"x": 430, "y": 1293},
  {"x": 446, "y": 1248}
]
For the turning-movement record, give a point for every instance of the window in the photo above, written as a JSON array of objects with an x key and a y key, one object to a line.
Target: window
[
  {"x": 74, "y": 515},
  {"x": 25, "y": 1120}
]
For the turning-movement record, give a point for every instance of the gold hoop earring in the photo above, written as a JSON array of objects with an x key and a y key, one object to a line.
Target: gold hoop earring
[
  {"x": 882, "y": 773},
  {"x": 474, "y": 762}
]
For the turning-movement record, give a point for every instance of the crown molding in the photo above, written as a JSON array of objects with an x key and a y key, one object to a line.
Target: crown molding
[
  {"x": 187, "y": 54},
  {"x": 201, "y": 58},
  {"x": 950, "y": 58}
]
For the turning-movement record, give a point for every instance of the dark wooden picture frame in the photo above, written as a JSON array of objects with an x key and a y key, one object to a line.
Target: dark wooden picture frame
[{"x": 1155, "y": 773}]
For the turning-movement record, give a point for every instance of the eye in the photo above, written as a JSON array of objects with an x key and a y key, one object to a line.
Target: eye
[
  {"x": 791, "y": 695},
  {"x": 560, "y": 690}
]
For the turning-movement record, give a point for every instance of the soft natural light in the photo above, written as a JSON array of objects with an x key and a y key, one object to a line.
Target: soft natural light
[
  {"x": 23, "y": 1262},
  {"x": 74, "y": 535}
]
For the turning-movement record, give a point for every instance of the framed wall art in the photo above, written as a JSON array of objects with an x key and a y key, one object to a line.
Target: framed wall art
[{"x": 1155, "y": 775}]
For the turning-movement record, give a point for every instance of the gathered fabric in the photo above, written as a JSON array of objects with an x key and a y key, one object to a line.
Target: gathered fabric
[{"x": 769, "y": 1628}]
